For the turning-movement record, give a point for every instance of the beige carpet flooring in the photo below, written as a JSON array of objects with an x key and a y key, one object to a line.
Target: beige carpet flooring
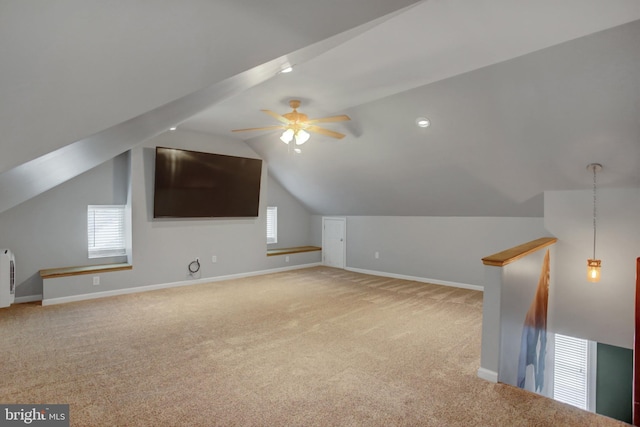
[{"x": 312, "y": 347}]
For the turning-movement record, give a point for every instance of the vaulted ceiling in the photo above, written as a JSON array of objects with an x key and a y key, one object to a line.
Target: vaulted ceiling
[{"x": 521, "y": 95}]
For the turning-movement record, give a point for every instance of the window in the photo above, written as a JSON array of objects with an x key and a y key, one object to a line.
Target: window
[
  {"x": 105, "y": 227},
  {"x": 573, "y": 373},
  {"x": 272, "y": 224}
]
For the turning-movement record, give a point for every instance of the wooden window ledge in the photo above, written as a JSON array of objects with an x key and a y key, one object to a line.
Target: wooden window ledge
[
  {"x": 52, "y": 273},
  {"x": 295, "y": 250}
]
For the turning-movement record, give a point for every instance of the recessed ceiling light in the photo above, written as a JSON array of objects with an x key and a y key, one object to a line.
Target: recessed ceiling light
[
  {"x": 286, "y": 70},
  {"x": 423, "y": 122},
  {"x": 297, "y": 150},
  {"x": 173, "y": 128}
]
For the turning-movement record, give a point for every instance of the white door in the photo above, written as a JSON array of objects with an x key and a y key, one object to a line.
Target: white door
[{"x": 334, "y": 242}]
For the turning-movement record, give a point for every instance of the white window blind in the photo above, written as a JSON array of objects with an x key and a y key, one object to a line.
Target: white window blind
[
  {"x": 272, "y": 224},
  {"x": 105, "y": 226},
  {"x": 571, "y": 375}
]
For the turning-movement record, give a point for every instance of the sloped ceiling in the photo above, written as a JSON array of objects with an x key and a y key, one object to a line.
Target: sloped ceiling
[
  {"x": 500, "y": 137},
  {"x": 83, "y": 81},
  {"x": 522, "y": 95}
]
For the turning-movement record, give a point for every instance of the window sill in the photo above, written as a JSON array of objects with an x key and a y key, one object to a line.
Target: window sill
[{"x": 52, "y": 273}]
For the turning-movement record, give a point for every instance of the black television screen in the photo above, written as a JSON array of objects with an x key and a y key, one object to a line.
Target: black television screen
[{"x": 191, "y": 184}]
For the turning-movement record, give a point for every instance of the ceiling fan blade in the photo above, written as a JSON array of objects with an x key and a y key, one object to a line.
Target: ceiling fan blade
[
  {"x": 323, "y": 131},
  {"x": 277, "y": 116},
  {"x": 341, "y": 118},
  {"x": 262, "y": 128}
]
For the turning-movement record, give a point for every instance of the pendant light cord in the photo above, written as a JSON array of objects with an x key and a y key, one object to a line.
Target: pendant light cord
[{"x": 594, "y": 212}]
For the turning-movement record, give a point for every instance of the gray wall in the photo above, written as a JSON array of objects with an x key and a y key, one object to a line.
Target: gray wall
[
  {"x": 50, "y": 230},
  {"x": 448, "y": 249},
  {"x": 604, "y": 311},
  {"x": 614, "y": 382},
  {"x": 294, "y": 220},
  {"x": 163, "y": 248}
]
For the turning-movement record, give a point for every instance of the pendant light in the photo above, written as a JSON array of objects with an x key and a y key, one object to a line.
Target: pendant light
[{"x": 593, "y": 264}]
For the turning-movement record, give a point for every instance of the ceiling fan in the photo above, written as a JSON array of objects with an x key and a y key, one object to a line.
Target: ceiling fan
[{"x": 297, "y": 125}]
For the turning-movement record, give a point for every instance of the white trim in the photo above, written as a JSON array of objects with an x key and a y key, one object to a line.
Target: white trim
[
  {"x": 28, "y": 298},
  {"x": 115, "y": 292},
  {"x": 488, "y": 375},
  {"x": 416, "y": 279}
]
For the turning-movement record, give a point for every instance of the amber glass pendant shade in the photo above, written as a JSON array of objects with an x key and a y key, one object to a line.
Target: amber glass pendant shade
[{"x": 593, "y": 270}]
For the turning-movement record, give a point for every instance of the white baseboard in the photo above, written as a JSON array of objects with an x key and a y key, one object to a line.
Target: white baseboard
[
  {"x": 115, "y": 292},
  {"x": 28, "y": 298},
  {"x": 488, "y": 375},
  {"x": 416, "y": 279}
]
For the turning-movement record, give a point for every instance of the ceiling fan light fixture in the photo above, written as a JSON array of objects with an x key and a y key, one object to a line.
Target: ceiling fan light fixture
[
  {"x": 302, "y": 136},
  {"x": 287, "y": 136},
  {"x": 297, "y": 125}
]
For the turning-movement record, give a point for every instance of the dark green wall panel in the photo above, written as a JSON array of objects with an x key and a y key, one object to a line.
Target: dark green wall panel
[{"x": 614, "y": 378}]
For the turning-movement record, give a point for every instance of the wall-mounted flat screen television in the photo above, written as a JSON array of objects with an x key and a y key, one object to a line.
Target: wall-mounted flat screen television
[{"x": 191, "y": 184}]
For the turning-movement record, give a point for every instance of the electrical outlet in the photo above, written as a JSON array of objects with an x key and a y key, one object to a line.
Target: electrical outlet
[
  {"x": 376, "y": 255},
  {"x": 214, "y": 258},
  {"x": 96, "y": 280},
  {"x": 286, "y": 259}
]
